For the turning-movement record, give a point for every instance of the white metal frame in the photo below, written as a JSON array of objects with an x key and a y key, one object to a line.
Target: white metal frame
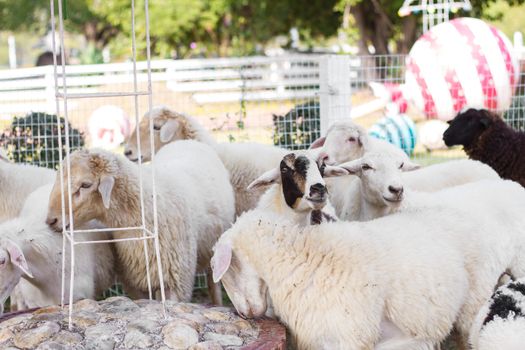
[
  {"x": 434, "y": 11},
  {"x": 69, "y": 233}
]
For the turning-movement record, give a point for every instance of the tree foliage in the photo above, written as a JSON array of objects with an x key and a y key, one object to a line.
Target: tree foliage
[
  {"x": 222, "y": 27},
  {"x": 229, "y": 27}
]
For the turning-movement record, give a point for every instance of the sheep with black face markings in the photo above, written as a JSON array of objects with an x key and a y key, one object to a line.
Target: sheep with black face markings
[
  {"x": 298, "y": 191},
  {"x": 487, "y": 138},
  {"x": 500, "y": 324},
  {"x": 194, "y": 204},
  {"x": 244, "y": 161}
]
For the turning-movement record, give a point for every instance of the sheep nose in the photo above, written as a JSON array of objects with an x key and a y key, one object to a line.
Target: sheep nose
[
  {"x": 246, "y": 315},
  {"x": 318, "y": 189},
  {"x": 127, "y": 152},
  {"x": 51, "y": 221},
  {"x": 396, "y": 190}
]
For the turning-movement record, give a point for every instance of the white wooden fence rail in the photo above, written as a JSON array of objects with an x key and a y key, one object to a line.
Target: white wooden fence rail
[{"x": 206, "y": 80}]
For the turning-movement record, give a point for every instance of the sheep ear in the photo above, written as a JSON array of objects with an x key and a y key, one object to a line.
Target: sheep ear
[
  {"x": 17, "y": 257},
  {"x": 353, "y": 167},
  {"x": 318, "y": 143},
  {"x": 266, "y": 179},
  {"x": 409, "y": 166},
  {"x": 220, "y": 262},
  {"x": 167, "y": 131},
  {"x": 362, "y": 139},
  {"x": 105, "y": 187},
  {"x": 333, "y": 171}
]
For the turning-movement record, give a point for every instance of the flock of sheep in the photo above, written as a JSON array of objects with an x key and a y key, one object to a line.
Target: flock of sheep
[{"x": 349, "y": 244}]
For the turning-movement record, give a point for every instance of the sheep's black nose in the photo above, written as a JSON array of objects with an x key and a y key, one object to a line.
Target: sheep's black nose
[
  {"x": 396, "y": 190},
  {"x": 318, "y": 189},
  {"x": 127, "y": 152}
]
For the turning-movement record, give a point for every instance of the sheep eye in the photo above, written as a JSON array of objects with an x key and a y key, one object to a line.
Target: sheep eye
[
  {"x": 401, "y": 166},
  {"x": 2, "y": 261},
  {"x": 366, "y": 167},
  {"x": 284, "y": 170},
  {"x": 85, "y": 185},
  {"x": 156, "y": 127},
  {"x": 351, "y": 139}
]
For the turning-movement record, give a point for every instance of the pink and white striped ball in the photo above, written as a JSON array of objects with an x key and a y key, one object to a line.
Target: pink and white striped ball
[{"x": 461, "y": 63}]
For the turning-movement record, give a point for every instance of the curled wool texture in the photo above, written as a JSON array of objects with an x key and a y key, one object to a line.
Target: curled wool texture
[
  {"x": 244, "y": 161},
  {"x": 17, "y": 181},
  {"x": 333, "y": 284},
  {"x": 488, "y": 234},
  {"x": 194, "y": 205},
  {"x": 500, "y": 324},
  {"x": 502, "y": 148}
]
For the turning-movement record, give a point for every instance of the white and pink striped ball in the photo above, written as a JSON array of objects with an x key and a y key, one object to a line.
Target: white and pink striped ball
[{"x": 458, "y": 64}]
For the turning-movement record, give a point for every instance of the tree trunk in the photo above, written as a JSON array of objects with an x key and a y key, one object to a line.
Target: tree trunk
[
  {"x": 383, "y": 27},
  {"x": 410, "y": 32},
  {"x": 99, "y": 37},
  {"x": 358, "y": 12}
]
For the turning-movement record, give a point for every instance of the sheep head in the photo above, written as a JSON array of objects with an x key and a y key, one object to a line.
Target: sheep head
[
  {"x": 93, "y": 175},
  {"x": 380, "y": 174},
  {"x": 246, "y": 289},
  {"x": 302, "y": 181},
  {"x": 467, "y": 126},
  {"x": 168, "y": 126},
  {"x": 13, "y": 265},
  {"x": 344, "y": 141}
]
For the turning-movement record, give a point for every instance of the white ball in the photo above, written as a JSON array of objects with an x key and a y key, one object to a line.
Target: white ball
[
  {"x": 461, "y": 63},
  {"x": 108, "y": 127}
]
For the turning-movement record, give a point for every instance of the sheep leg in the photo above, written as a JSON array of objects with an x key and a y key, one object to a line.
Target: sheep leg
[
  {"x": 214, "y": 289},
  {"x": 135, "y": 293},
  {"x": 477, "y": 296}
]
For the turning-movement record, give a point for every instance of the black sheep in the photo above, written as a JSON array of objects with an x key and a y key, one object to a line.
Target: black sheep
[{"x": 487, "y": 138}]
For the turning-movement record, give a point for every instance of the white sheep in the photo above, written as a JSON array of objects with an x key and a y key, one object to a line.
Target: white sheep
[
  {"x": 500, "y": 324},
  {"x": 298, "y": 191},
  {"x": 17, "y": 181},
  {"x": 334, "y": 284},
  {"x": 346, "y": 141},
  {"x": 195, "y": 205},
  {"x": 244, "y": 161},
  {"x": 379, "y": 189},
  {"x": 31, "y": 257}
]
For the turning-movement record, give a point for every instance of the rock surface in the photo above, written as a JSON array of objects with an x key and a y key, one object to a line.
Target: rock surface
[{"x": 120, "y": 323}]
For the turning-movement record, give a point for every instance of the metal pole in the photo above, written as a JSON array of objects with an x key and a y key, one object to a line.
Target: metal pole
[{"x": 152, "y": 144}]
